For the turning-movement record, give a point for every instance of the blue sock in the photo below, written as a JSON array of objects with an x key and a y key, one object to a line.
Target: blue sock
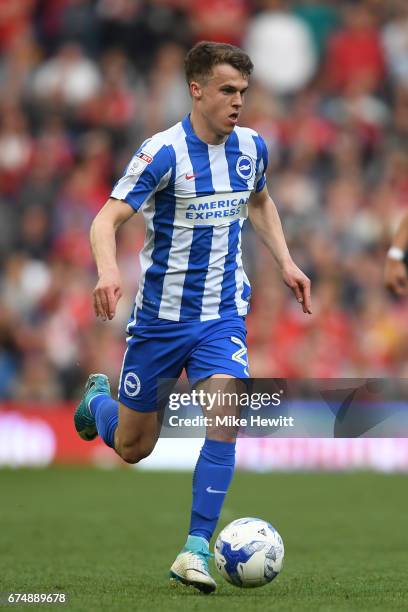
[
  {"x": 105, "y": 410},
  {"x": 212, "y": 477}
]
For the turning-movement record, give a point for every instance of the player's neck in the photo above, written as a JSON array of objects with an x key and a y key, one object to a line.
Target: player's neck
[{"x": 203, "y": 131}]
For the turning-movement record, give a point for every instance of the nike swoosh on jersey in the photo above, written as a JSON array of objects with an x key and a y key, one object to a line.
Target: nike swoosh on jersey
[{"x": 190, "y": 176}]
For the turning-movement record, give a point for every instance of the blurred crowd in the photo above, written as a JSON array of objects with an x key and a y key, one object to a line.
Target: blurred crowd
[{"x": 83, "y": 82}]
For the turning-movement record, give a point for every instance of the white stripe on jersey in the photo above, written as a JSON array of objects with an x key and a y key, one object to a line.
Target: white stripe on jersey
[
  {"x": 219, "y": 245},
  {"x": 213, "y": 280},
  {"x": 176, "y": 272},
  {"x": 219, "y": 169},
  {"x": 239, "y": 278},
  {"x": 145, "y": 256},
  {"x": 261, "y": 169},
  {"x": 180, "y": 246}
]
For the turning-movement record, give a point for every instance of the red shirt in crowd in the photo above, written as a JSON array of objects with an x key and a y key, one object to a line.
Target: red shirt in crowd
[{"x": 355, "y": 55}]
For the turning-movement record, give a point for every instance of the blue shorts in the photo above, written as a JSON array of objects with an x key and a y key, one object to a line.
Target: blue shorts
[{"x": 161, "y": 349}]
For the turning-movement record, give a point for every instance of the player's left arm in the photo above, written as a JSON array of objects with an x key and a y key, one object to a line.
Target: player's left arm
[{"x": 266, "y": 222}]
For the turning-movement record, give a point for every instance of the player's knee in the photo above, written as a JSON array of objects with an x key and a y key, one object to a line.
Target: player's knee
[
  {"x": 224, "y": 438},
  {"x": 222, "y": 434},
  {"x": 134, "y": 454}
]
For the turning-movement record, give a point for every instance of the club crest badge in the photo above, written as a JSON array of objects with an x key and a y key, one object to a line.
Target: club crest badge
[
  {"x": 245, "y": 167},
  {"x": 131, "y": 384}
]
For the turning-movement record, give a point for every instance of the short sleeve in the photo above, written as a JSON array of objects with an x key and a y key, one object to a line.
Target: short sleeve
[
  {"x": 149, "y": 171},
  {"x": 260, "y": 179}
]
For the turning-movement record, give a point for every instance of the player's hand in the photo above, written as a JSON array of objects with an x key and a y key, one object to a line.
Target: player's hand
[
  {"x": 396, "y": 276},
  {"x": 107, "y": 294},
  {"x": 300, "y": 285}
]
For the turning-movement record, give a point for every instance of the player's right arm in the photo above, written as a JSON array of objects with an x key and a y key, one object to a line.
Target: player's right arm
[
  {"x": 149, "y": 170},
  {"x": 103, "y": 242},
  {"x": 395, "y": 272}
]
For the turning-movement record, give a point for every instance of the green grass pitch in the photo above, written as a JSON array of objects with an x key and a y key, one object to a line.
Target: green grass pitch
[{"x": 107, "y": 538}]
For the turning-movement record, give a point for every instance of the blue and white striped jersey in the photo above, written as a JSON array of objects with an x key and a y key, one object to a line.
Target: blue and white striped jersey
[{"x": 193, "y": 196}]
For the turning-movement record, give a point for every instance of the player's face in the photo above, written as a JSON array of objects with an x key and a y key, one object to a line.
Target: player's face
[{"x": 219, "y": 99}]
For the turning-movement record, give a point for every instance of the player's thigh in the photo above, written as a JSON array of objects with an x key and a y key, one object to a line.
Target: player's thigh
[
  {"x": 137, "y": 430},
  {"x": 221, "y": 349},
  {"x": 222, "y": 406},
  {"x": 154, "y": 357},
  {"x": 219, "y": 365},
  {"x": 152, "y": 362}
]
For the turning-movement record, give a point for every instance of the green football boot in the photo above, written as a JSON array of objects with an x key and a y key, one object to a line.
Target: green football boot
[{"x": 97, "y": 384}]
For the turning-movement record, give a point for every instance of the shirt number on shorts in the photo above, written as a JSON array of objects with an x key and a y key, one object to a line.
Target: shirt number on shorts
[{"x": 240, "y": 356}]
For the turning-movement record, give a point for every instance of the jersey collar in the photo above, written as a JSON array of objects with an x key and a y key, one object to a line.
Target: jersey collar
[{"x": 189, "y": 130}]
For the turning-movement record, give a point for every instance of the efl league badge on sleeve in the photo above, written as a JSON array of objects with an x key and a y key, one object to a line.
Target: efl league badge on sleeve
[
  {"x": 139, "y": 163},
  {"x": 145, "y": 157}
]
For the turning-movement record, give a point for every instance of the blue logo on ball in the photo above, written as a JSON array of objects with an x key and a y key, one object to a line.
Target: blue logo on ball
[{"x": 234, "y": 557}]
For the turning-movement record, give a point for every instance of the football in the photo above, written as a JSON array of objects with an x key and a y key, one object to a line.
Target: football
[{"x": 249, "y": 552}]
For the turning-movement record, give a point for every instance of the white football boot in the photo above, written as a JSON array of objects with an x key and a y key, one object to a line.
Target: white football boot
[{"x": 191, "y": 565}]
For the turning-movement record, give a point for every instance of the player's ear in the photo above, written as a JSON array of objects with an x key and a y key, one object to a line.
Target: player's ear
[{"x": 196, "y": 90}]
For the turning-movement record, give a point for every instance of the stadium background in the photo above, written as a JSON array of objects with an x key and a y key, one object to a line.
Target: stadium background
[{"x": 82, "y": 83}]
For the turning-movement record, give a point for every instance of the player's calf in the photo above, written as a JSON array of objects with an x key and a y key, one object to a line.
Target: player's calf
[{"x": 136, "y": 434}]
